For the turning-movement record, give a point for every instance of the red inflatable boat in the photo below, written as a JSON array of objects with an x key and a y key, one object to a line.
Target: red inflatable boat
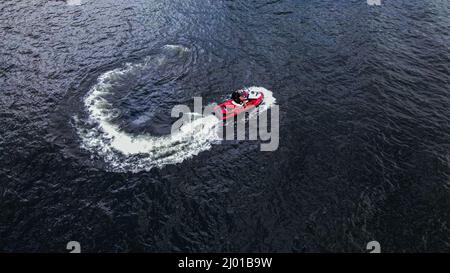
[{"x": 231, "y": 109}]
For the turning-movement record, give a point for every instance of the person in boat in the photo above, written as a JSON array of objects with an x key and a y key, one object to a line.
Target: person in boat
[{"x": 240, "y": 97}]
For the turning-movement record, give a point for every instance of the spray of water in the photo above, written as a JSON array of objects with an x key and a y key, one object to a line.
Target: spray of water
[{"x": 123, "y": 151}]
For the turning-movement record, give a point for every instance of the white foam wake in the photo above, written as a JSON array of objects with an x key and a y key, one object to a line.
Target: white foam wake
[{"x": 127, "y": 152}]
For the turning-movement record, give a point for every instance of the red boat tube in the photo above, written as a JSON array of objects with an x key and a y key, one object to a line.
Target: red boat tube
[{"x": 231, "y": 109}]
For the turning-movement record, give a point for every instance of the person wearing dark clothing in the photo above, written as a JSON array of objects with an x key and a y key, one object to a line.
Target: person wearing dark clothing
[{"x": 240, "y": 97}]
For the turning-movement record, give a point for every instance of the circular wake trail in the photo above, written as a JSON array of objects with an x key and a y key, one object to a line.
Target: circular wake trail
[{"x": 124, "y": 151}]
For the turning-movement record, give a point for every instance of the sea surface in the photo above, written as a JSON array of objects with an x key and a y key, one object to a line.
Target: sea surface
[{"x": 86, "y": 93}]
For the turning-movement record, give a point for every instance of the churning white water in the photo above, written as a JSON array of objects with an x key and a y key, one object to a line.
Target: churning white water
[{"x": 124, "y": 151}]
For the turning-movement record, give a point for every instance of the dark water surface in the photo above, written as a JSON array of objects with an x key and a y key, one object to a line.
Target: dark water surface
[{"x": 364, "y": 97}]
